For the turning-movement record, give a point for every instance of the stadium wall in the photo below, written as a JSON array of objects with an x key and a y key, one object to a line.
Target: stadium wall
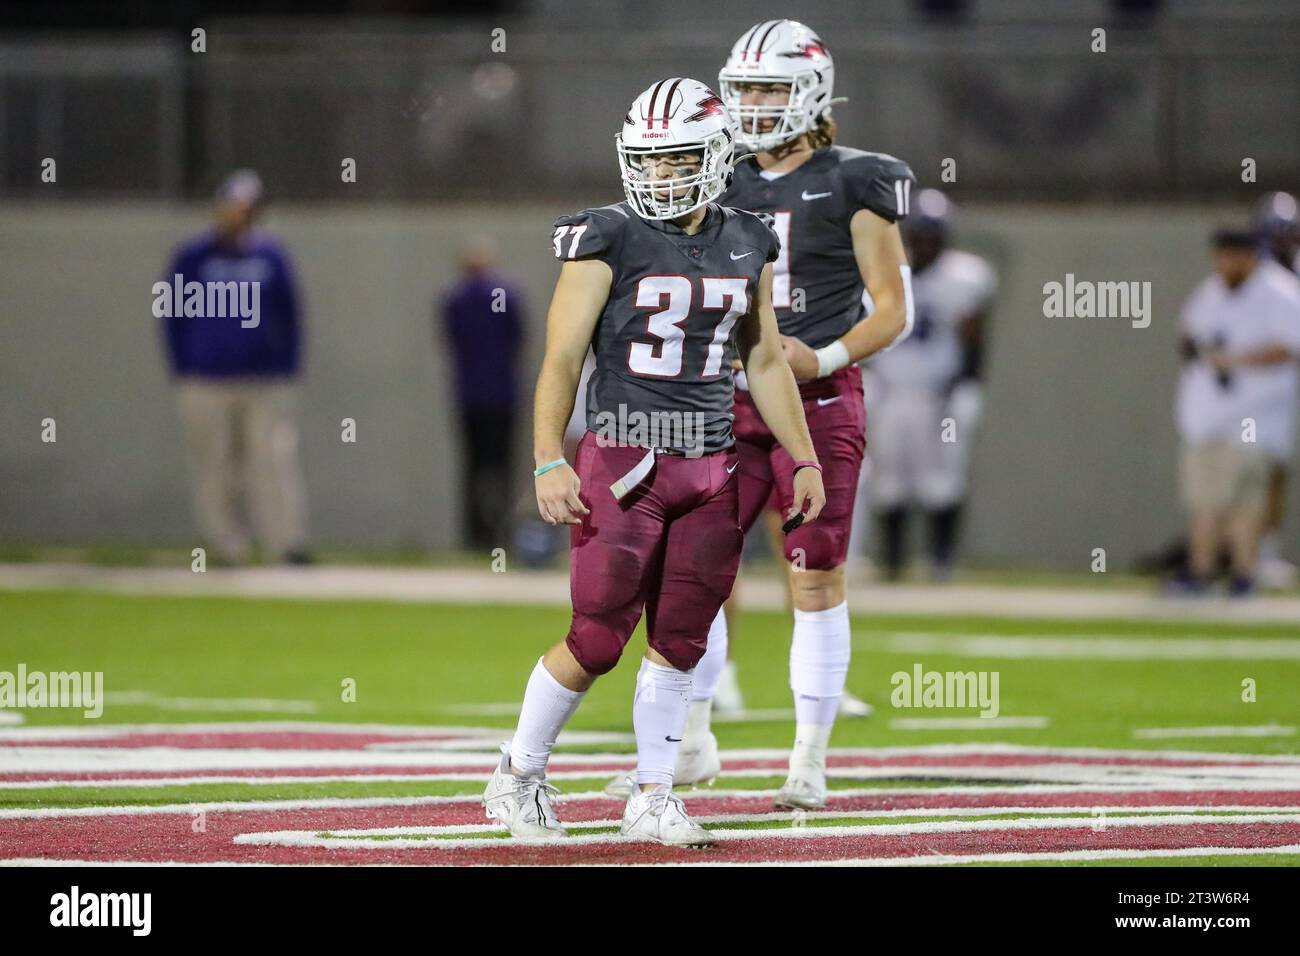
[{"x": 1077, "y": 448}]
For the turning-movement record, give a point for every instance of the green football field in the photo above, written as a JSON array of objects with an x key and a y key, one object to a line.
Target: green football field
[{"x": 202, "y": 664}]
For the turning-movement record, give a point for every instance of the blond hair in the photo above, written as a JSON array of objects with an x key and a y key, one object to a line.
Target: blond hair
[{"x": 823, "y": 134}]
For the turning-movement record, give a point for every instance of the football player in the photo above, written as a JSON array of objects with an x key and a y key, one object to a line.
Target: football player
[
  {"x": 925, "y": 396},
  {"x": 835, "y": 210},
  {"x": 667, "y": 288},
  {"x": 1277, "y": 221}
]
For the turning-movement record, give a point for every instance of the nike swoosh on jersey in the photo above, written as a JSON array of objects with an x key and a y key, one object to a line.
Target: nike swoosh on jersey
[
  {"x": 807, "y": 195},
  {"x": 828, "y": 401},
  {"x": 734, "y": 257},
  {"x": 733, "y": 467}
]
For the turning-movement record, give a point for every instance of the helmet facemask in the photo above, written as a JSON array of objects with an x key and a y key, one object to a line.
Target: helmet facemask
[
  {"x": 679, "y": 194},
  {"x": 790, "y": 119}
]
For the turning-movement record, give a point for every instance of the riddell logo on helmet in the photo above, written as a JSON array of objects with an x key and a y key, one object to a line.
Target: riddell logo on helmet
[{"x": 654, "y": 135}]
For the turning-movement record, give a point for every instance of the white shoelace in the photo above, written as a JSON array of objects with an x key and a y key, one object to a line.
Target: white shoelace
[{"x": 533, "y": 795}]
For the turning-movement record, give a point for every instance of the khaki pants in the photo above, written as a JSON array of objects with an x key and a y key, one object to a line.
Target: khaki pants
[
  {"x": 1224, "y": 476},
  {"x": 242, "y": 441}
]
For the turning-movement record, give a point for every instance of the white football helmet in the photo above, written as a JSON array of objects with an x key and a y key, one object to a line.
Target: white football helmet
[
  {"x": 778, "y": 51},
  {"x": 673, "y": 118}
]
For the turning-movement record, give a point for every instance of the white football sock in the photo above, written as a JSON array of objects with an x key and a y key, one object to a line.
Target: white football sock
[
  {"x": 709, "y": 670},
  {"x": 548, "y": 705},
  {"x": 663, "y": 696},
  {"x": 728, "y": 696},
  {"x": 810, "y": 743},
  {"x": 819, "y": 664},
  {"x": 697, "y": 719}
]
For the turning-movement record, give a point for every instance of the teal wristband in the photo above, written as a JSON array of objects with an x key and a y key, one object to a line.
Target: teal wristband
[{"x": 538, "y": 472}]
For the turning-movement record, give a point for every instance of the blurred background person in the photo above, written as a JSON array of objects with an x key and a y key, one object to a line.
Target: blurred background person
[
  {"x": 483, "y": 318},
  {"x": 918, "y": 458},
  {"x": 1236, "y": 405},
  {"x": 236, "y": 381},
  {"x": 1278, "y": 227}
]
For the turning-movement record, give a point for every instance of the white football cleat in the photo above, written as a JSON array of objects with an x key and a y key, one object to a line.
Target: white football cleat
[
  {"x": 805, "y": 787},
  {"x": 803, "y": 792},
  {"x": 728, "y": 699},
  {"x": 522, "y": 804},
  {"x": 621, "y": 786},
  {"x": 697, "y": 760},
  {"x": 851, "y": 706},
  {"x": 660, "y": 816}
]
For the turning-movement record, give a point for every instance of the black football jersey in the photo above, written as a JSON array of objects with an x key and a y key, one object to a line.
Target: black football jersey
[
  {"x": 665, "y": 340},
  {"x": 816, "y": 285}
]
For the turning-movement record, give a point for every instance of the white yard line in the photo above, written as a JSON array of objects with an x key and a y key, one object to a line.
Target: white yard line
[
  {"x": 68, "y": 760},
  {"x": 82, "y": 731},
  {"x": 460, "y": 586},
  {"x": 1056, "y": 856},
  {"x": 455, "y": 737},
  {"x": 1087, "y": 646},
  {"x": 1130, "y": 785},
  {"x": 1241, "y": 730},
  {"x": 263, "y": 705},
  {"x": 1085, "y": 815},
  {"x": 968, "y": 723},
  {"x": 933, "y": 859},
  {"x": 1063, "y": 762},
  {"x": 309, "y": 838}
]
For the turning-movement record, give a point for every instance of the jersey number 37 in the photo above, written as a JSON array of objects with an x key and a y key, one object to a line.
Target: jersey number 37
[{"x": 671, "y": 296}]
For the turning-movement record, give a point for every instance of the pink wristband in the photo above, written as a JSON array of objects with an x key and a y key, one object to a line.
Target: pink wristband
[{"x": 806, "y": 464}]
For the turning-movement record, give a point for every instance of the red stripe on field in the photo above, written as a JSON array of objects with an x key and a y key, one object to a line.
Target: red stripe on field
[
  {"x": 239, "y": 740},
  {"x": 169, "y": 837},
  {"x": 617, "y": 763},
  {"x": 415, "y": 769},
  {"x": 158, "y": 837}
]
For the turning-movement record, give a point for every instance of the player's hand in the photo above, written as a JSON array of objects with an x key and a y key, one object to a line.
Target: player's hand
[
  {"x": 809, "y": 495},
  {"x": 802, "y": 359},
  {"x": 557, "y": 496}
]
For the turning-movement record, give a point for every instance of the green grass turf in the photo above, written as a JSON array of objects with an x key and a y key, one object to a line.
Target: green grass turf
[
  {"x": 415, "y": 663},
  {"x": 253, "y": 790}
]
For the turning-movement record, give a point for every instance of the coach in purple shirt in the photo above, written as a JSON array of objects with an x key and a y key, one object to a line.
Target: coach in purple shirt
[
  {"x": 229, "y": 307},
  {"x": 483, "y": 318}
]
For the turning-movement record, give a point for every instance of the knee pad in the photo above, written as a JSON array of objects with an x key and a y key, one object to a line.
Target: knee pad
[
  {"x": 597, "y": 644},
  {"x": 818, "y": 546}
]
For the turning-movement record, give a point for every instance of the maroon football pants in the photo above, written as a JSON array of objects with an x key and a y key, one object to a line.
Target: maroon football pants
[
  {"x": 671, "y": 546},
  {"x": 837, "y": 423}
]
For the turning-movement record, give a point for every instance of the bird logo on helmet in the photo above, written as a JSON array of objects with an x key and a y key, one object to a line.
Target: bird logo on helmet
[
  {"x": 778, "y": 53},
  {"x": 676, "y": 149}
]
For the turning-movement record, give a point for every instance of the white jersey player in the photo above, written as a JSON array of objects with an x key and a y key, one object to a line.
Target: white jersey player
[
  {"x": 1277, "y": 222},
  {"x": 924, "y": 394}
]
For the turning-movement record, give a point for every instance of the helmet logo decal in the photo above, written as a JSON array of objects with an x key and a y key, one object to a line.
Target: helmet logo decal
[
  {"x": 709, "y": 106},
  {"x": 809, "y": 49}
]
